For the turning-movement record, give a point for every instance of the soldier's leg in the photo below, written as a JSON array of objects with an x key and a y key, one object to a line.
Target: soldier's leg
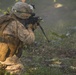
[
  {"x": 14, "y": 65},
  {"x": 3, "y": 51},
  {"x": 12, "y": 49}
]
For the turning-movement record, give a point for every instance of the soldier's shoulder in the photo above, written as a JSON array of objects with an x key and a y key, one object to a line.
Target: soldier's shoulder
[{"x": 5, "y": 18}]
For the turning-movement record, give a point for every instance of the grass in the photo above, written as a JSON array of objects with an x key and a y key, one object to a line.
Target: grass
[
  {"x": 54, "y": 58},
  {"x": 59, "y": 56}
]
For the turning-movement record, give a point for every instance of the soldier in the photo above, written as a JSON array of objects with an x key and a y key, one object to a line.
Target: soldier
[{"x": 14, "y": 36}]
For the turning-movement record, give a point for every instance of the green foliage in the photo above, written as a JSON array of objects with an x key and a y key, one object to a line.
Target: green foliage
[
  {"x": 3, "y": 11},
  {"x": 7, "y": 10},
  {"x": 49, "y": 59},
  {"x": 4, "y": 72},
  {"x": 44, "y": 71},
  {"x": 54, "y": 68},
  {"x": 62, "y": 36}
]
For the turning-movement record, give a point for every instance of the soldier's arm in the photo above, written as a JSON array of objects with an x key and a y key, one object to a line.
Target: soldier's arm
[
  {"x": 25, "y": 35},
  {"x": 17, "y": 29}
]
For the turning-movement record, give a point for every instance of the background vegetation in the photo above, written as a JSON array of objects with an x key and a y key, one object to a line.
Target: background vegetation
[{"x": 58, "y": 57}]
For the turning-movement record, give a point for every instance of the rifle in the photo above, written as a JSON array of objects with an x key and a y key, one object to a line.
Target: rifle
[{"x": 35, "y": 19}]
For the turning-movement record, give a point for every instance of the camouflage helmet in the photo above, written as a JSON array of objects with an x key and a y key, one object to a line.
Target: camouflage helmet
[{"x": 22, "y": 10}]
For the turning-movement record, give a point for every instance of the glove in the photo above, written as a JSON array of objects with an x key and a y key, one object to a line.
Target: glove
[{"x": 32, "y": 26}]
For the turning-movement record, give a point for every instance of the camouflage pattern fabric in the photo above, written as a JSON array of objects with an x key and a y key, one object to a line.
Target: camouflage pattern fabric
[
  {"x": 22, "y": 10},
  {"x": 15, "y": 35},
  {"x": 12, "y": 65}
]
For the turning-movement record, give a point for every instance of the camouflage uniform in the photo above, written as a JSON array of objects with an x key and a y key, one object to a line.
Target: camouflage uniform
[{"x": 14, "y": 35}]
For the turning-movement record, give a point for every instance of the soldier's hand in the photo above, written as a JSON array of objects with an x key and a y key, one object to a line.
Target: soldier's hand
[{"x": 32, "y": 26}]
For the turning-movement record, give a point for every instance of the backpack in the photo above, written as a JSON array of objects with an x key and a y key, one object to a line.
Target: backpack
[{"x": 4, "y": 21}]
